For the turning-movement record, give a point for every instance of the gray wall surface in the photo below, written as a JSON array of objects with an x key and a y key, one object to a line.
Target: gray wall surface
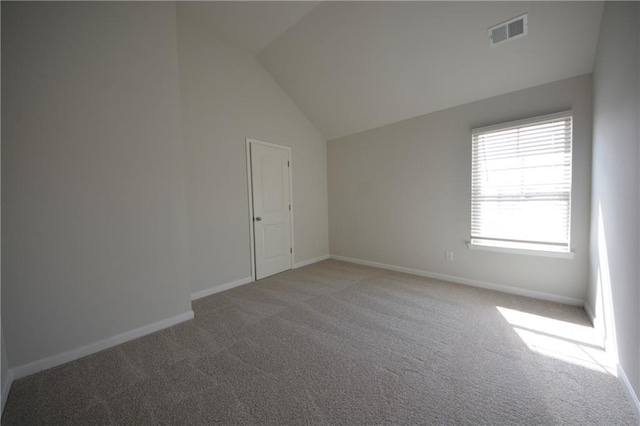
[
  {"x": 5, "y": 363},
  {"x": 227, "y": 96},
  {"x": 614, "y": 284},
  {"x": 400, "y": 194},
  {"x": 94, "y": 208}
]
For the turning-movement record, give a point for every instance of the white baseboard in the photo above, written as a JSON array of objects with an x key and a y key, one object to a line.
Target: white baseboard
[
  {"x": 72, "y": 355},
  {"x": 598, "y": 331},
  {"x": 590, "y": 314},
  {"x": 6, "y": 387},
  {"x": 222, "y": 287},
  {"x": 628, "y": 389},
  {"x": 310, "y": 261},
  {"x": 467, "y": 281}
]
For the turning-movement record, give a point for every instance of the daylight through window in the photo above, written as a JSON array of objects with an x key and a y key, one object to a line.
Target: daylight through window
[{"x": 521, "y": 184}]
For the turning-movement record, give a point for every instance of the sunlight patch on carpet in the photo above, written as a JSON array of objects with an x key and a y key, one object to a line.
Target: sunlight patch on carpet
[{"x": 574, "y": 343}]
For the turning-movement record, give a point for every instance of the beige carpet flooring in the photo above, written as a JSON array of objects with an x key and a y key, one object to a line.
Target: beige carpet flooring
[{"x": 336, "y": 343}]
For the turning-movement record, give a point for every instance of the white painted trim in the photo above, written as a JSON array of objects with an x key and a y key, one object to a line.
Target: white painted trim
[
  {"x": 220, "y": 288},
  {"x": 589, "y": 312},
  {"x": 598, "y": 332},
  {"x": 6, "y": 387},
  {"x": 524, "y": 251},
  {"x": 73, "y": 354},
  {"x": 310, "y": 261},
  {"x": 470, "y": 282},
  {"x": 250, "y": 195},
  {"x": 248, "y": 142},
  {"x": 272, "y": 145},
  {"x": 523, "y": 122},
  {"x": 293, "y": 248},
  {"x": 628, "y": 389}
]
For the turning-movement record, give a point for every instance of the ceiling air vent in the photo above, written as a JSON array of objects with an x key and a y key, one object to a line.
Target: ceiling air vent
[{"x": 513, "y": 28}]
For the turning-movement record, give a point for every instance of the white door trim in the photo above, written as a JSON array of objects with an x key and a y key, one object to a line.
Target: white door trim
[{"x": 252, "y": 250}]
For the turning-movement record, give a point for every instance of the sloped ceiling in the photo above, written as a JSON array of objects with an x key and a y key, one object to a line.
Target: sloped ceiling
[
  {"x": 353, "y": 66},
  {"x": 248, "y": 25}
]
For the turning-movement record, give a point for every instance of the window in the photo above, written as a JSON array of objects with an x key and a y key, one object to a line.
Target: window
[{"x": 521, "y": 185}]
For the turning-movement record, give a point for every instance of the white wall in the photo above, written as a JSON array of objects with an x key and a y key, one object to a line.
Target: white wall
[
  {"x": 614, "y": 284},
  {"x": 4, "y": 374},
  {"x": 400, "y": 194},
  {"x": 4, "y": 362},
  {"x": 94, "y": 221},
  {"x": 227, "y": 96}
]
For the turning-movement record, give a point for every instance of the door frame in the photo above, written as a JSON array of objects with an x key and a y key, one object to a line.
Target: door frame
[{"x": 248, "y": 142}]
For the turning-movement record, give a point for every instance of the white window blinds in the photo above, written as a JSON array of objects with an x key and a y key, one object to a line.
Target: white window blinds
[{"x": 521, "y": 184}]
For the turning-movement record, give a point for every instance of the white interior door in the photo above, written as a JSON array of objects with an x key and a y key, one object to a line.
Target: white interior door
[{"x": 271, "y": 209}]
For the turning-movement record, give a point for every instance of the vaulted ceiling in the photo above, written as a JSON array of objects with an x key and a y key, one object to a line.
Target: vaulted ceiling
[
  {"x": 248, "y": 25},
  {"x": 353, "y": 66}
]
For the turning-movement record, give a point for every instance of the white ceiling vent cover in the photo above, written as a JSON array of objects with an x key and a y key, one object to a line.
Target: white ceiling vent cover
[{"x": 513, "y": 28}]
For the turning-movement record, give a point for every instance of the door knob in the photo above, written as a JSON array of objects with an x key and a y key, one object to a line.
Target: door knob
[{"x": 258, "y": 219}]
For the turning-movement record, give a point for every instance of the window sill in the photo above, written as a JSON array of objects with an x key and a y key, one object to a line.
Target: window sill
[{"x": 514, "y": 249}]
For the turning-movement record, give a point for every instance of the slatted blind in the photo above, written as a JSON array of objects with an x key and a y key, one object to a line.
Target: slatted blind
[{"x": 521, "y": 183}]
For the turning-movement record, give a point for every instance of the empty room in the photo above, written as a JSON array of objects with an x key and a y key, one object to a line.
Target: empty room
[{"x": 320, "y": 212}]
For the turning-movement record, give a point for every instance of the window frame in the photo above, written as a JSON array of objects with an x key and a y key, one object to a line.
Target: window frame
[{"x": 532, "y": 248}]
